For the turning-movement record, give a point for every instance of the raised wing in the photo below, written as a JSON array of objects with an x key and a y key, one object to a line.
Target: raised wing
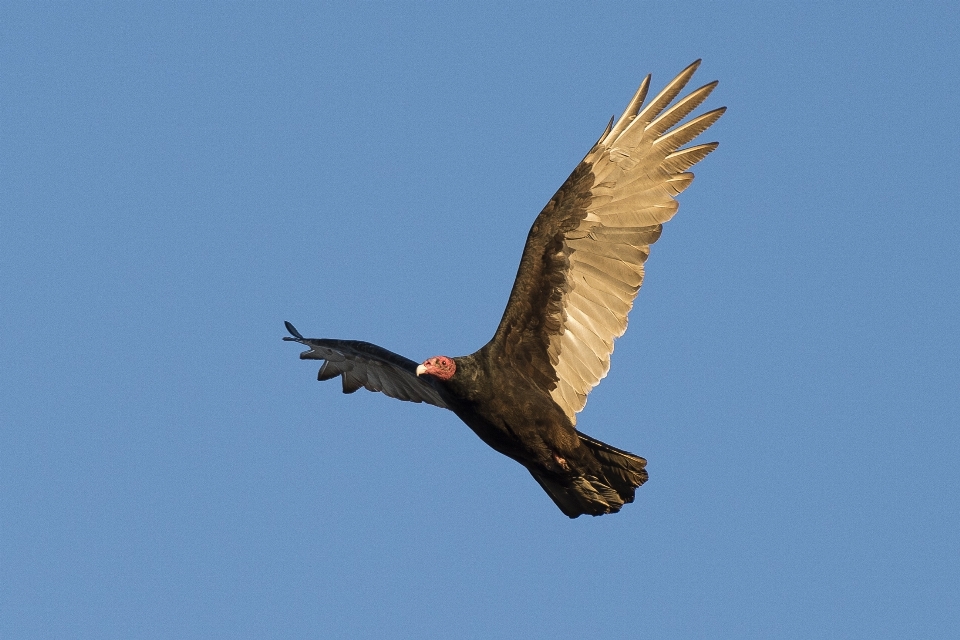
[
  {"x": 582, "y": 264},
  {"x": 361, "y": 364}
]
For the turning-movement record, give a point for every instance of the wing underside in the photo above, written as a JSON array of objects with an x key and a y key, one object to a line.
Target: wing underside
[
  {"x": 582, "y": 265},
  {"x": 364, "y": 365}
]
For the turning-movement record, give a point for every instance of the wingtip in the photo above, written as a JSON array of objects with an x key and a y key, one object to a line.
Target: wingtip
[
  {"x": 606, "y": 131},
  {"x": 293, "y": 332}
]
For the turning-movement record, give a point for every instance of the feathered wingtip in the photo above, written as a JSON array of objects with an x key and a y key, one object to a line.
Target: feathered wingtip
[
  {"x": 606, "y": 131},
  {"x": 293, "y": 332}
]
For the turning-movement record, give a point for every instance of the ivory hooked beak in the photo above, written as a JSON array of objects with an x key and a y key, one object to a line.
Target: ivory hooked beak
[{"x": 421, "y": 369}]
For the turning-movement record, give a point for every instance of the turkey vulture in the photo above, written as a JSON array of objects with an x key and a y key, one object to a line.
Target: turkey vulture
[{"x": 580, "y": 271}]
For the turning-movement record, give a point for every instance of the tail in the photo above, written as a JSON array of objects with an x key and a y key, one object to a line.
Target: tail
[{"x": 620, "y": 474}]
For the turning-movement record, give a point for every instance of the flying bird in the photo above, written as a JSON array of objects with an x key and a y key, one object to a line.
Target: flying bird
[{"x": 580, "y": 271}]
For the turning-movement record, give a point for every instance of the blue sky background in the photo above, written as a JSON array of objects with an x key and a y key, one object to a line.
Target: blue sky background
[{"x": 177, "y": 180}]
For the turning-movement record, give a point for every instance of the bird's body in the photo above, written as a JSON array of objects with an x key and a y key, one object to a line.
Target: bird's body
[
  {"x": 509, "y": 413},
  {"x": 580, "y": 271}
]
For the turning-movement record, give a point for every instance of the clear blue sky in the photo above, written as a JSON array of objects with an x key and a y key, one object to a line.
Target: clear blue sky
[{"x": 177, "y": 180}]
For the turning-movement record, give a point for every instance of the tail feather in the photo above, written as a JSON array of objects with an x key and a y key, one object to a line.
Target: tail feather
[
  {"x": 580, "y": 495},
  {"x": 623, "y": 470},
  {"x": 619, "y": 476}
]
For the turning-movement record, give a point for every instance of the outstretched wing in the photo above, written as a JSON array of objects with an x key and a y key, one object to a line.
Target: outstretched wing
[
  {"x": 361, "y": 364},
  {"x": 582, "y": 264}
]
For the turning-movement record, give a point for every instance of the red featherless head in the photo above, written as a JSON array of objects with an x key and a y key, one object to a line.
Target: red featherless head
[{"x": 439, "y": 366}]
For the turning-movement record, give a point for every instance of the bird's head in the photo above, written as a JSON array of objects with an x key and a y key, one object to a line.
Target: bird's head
[{"x": 439, "y": 366}]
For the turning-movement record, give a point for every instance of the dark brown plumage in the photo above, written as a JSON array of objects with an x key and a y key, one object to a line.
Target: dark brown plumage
[{"x": 580, "y": 271}]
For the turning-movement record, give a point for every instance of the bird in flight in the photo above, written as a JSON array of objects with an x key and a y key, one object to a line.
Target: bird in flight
[{"x": 580, "y": 271}]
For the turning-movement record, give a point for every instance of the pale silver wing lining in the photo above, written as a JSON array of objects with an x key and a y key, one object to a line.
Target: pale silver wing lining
[{"x": 638, "y": 169}]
